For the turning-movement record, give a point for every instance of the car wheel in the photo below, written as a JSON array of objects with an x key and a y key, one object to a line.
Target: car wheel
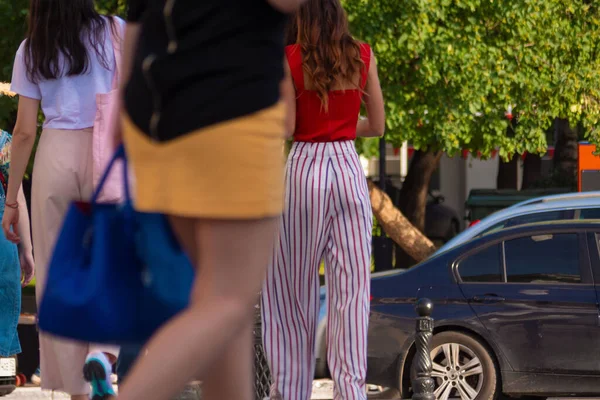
[{"x": 462, "y": 368}]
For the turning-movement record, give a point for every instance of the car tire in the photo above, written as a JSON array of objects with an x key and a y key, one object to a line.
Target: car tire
[{"x": 486, "y": 384}]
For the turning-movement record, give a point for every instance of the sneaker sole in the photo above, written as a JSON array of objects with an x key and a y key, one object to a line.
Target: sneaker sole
[{"x": 95, "y": 375}]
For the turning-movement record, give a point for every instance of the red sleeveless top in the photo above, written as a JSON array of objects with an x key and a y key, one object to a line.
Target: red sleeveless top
[{"x": 313, "y": 124}]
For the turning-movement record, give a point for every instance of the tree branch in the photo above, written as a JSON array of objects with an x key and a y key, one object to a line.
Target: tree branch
[{"x": 397, "y": 227}]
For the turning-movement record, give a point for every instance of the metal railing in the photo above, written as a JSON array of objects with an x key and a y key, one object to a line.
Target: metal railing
[{"x": 262, "y": 375}]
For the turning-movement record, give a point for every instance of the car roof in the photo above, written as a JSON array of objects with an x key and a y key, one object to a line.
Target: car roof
[
  {"x": 557, "y": 198},
  {"x": 512, "y": 212},
  {"x": 543, "y": 227},
  {"x": 538, "y": 228},
  {"x": 587, "y": 224}
]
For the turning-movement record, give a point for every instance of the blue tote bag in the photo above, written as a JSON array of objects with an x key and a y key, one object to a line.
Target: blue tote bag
[{"x": 116, "y": 275}]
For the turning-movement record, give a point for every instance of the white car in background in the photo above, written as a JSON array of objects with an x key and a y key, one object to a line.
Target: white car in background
[
  {"x": 584, "y": 205},
  {"x": 557, "y": 197}
]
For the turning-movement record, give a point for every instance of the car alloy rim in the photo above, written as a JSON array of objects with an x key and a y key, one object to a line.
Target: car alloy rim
[{"x": 457, "y": 371}]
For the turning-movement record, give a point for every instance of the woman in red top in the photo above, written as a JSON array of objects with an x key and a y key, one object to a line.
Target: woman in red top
[{"x": 327, "y": 209}]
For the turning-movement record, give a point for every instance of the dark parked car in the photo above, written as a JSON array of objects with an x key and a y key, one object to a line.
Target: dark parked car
[{"x": 516, "y": 312}]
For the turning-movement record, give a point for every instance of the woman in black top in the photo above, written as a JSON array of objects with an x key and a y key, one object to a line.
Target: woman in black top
[{"x": 203, "y": 126}]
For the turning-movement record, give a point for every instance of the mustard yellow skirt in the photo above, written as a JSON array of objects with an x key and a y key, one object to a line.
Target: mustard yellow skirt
[{"x": 231, "y": 170}]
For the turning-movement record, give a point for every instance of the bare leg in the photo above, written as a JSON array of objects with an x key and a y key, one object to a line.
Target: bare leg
[
  {"x": 231, "y": 374},
  {"x": 233, "y": 256},
  {"x": 232, "y": 371}
]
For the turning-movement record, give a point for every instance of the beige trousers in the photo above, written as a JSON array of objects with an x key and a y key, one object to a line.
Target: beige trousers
[{"x": 62, "y": 172}]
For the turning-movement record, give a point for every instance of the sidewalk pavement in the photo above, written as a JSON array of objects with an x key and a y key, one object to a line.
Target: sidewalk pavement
[{"x": 322, "y": 390}]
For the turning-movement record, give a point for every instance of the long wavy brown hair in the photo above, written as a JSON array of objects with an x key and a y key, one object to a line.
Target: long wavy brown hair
[{"x": 330, "y": 55}]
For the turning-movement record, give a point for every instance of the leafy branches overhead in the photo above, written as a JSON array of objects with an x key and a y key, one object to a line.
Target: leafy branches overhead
[
  {"x": 12, "y": 32},
  {"x": 112, "y": 7},
  {"x": 452, "y": 68}
]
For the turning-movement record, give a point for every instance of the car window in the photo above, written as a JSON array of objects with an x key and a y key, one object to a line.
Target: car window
[
  {"x": 543, "y": 259},
  {"x": 589, "y": 213},
  {"x": 482, "y": 266},
  {"x": 537, "y": 217}
]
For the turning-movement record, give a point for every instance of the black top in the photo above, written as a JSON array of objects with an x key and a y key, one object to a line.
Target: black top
[{"x": 206, "y": 62}]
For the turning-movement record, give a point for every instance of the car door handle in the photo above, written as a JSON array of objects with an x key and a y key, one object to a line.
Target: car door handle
[{"x": 487, "y": 298}]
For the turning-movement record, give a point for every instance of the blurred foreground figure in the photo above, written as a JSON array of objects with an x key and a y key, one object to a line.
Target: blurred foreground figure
[{"x": 203, "y": 125}]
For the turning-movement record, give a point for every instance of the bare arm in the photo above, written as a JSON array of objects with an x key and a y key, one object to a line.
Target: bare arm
[
  {"x": 24, "y": 227},
  {"x": 288, "y": 95},
  {"x": 286, "y": 6},
  {"x": 374, "y": 124},
  {"x": 22, "y": 144}
]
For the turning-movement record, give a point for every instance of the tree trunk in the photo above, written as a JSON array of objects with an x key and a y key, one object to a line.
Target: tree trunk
[
  {"x": 565, "y": 152},
  {"x": 397, "y": 227},
  {"x": 413, "y": 195},
  {"x": 508, "y": 173},
  {"x": 532, "y": 170}
]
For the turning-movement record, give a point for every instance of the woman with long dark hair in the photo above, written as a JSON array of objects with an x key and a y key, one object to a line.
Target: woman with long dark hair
[
  {"x": 203, "y": 127},
  {"x": 327, "y": 209},
  {"x": 66, "y": 59}
]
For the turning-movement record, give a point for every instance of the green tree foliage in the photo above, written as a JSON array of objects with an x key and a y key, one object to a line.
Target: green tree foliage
[
  {"x": 451, "y": 68},
  {"x": 112, "y": 7},
  {"x": 12, "y": 31}
]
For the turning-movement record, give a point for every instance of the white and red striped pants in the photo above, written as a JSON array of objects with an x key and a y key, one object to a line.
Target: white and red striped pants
[{"x": 327, "y": 216}]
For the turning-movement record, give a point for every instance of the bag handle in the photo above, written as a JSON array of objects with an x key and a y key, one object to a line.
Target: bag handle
[{"x": 119, "y": 155}]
